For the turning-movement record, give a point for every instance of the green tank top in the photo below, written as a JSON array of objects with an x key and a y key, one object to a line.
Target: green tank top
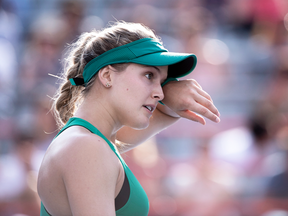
[{"x": 137, "y": 203}]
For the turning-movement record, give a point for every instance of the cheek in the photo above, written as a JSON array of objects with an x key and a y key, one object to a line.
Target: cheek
[
  {"x": 130, "y": 87},
  {"x": 124, "y": 94},
  {"x": 129, "y": 93}
]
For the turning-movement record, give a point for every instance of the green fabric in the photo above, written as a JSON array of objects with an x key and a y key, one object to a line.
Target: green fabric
[
  {"x": 168, "y": 80},
  {"x": 43, "y": 211},
  {"x": 145, "y": 51},
  {"x": 138, "y": 203}
]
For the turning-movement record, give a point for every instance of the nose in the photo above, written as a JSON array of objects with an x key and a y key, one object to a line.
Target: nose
[{"x": 158, "y": 93}]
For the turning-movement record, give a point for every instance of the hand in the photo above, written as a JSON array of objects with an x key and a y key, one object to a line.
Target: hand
[{"x": 186, "y": 98}]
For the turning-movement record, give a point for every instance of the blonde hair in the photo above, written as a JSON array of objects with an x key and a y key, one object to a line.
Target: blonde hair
[{"x": 87, "y": 47}]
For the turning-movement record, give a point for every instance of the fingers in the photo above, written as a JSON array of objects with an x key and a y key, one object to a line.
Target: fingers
[
  {"x": 204, "y": 101},
  {"x": 195, "y": 82},
  {"x": 205, "y": 107},
  {"x": 199, "y": 89},
  {"x": 192, "y": 116},
  {"x": 204, "y": 94}
]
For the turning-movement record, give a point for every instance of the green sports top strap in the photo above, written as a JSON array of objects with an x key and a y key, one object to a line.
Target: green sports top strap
[{"x": 137, "y": 203}]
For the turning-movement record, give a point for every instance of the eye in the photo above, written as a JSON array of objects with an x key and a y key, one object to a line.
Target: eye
[{"x": 149, "y": 75}]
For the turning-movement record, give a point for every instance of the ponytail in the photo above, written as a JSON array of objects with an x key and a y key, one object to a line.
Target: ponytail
[{"x": 68, "y": 96}]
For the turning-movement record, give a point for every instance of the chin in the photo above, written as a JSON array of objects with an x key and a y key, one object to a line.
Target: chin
[{"x": 140, "y": 125}]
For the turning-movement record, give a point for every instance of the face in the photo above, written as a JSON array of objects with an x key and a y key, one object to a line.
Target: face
[{"x": 135, "y": 93}]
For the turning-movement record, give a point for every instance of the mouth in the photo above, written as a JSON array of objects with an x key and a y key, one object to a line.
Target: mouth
[{"x": 150, "y": 108}]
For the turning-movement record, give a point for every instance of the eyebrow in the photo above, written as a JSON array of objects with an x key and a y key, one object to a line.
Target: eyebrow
[
  {"x": 149, "y": 66},
  {"x": 156, "y": 68}
]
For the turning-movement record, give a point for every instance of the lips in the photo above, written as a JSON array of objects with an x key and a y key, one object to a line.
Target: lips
[{"x": 151, "y": 108}]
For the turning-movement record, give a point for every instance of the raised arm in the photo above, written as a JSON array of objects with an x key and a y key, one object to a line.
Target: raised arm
[{"x": 184, "y": 99}]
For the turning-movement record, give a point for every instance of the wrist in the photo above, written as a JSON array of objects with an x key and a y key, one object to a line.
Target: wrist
[
  {"x": 167, "y": 111},
  {"x": 165, "y": 82}
]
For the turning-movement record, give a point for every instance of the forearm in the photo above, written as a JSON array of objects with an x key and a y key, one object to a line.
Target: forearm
[{"x": 159, "y": 121}]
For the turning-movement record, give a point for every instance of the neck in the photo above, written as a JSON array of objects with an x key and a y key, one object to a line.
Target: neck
[{"x": 97, "y": 112}]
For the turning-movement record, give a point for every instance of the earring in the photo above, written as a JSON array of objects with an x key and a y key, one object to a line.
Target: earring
[{"x": 108, "y": 84}]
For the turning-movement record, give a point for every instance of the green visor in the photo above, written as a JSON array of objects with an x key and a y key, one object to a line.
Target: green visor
[{"x": 146, "y": 51}]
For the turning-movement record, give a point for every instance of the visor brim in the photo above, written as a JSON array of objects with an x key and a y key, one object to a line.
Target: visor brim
[{"x": 179, "y": 64}]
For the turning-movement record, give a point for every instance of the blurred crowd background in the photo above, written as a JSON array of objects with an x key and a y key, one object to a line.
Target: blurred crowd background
[{"x": 238, "y": 167}]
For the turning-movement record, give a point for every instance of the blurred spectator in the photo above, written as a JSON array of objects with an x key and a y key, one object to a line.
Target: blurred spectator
[
  {"x": 277, "y": 187},
  {"x": 8, "y": 66},
  {"x": 10, "y": 26},
  {"x": 253, "y": 151},
  {"x": 18, "y": 175},
  {"x": 42, "y": 54},
  {"x": 10, "y": 29},
  {"x": 277, "y": 90},
  {"x": 72, "y": 13}
]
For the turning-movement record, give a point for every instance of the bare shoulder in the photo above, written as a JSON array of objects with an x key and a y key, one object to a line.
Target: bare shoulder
[
  {"x": 75, "y": 147},
  {"x": 84, "y": 168},
  {"x": 77, "y": 150}
]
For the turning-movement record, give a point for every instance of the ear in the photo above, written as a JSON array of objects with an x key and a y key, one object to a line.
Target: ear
[{"x": 104, "y": 75}]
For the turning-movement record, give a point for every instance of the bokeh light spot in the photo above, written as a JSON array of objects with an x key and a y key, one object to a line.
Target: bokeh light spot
[{"x": 215, "y": 52}]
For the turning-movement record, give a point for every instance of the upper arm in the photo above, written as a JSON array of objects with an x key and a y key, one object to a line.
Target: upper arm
[
  {"x": 90, "y": 176},
  {"x": 158, "y": 122}
]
